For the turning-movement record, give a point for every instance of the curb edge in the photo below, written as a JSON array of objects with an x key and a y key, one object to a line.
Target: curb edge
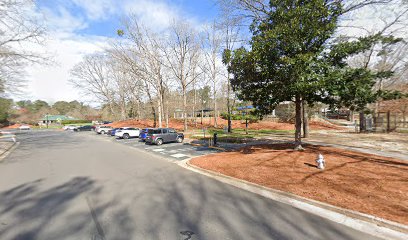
[{"x": 359, "y": 221}]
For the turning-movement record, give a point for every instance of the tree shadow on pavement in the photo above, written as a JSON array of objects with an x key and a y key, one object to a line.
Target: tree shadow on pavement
[
  {"x": 192, "y": 203},
  {"x": 31, "y": 211}
]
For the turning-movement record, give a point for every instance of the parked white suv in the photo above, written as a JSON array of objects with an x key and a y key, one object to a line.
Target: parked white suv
[
  {"x": 102, "y": 129},
  {"x": 69, "y": 127},
  {"x": 127, "y": 132},
  {"x": 24, "y": 127}
]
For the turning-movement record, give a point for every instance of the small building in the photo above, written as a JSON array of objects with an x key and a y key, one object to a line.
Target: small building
[{"x": 54, "y": 119}]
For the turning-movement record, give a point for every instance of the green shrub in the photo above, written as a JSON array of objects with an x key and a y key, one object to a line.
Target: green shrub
[
  {"x": 250, "y": 117},
  {"x": 67, "y": 122}
]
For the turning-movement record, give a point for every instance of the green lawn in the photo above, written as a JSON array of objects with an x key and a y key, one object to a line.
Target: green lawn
[{"x": 238, "y": 135}]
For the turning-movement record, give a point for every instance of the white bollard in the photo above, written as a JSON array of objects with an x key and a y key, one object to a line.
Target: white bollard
[{"x": 320, "y": 162}]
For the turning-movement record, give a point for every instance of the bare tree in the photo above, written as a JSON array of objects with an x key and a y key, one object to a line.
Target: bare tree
[
  {"x": 230, "y": 27},
  {"x": 258, "y": 9},
  {"x": 212, "y": 49},
  {"x": 93, "y": 76},
  {"x": 390, "y": 20},
  {"x": 182, "y": 55},
  {"x": 18, "y": 28},
  {"x": 147, "y": 47}
]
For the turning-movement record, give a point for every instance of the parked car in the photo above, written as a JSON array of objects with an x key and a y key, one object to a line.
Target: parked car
[
  {"x": 102, "y": 129},
  {"x": 83, "y": 128},
  {"x": 127, "y": 132},
  {"x": 24, "y": 127},
  {"x": 113, "y": 131},
  {"x": 143, "y": 134},
  {"x": 69, "y": 127},
  {"x": 159, "y": 136}
]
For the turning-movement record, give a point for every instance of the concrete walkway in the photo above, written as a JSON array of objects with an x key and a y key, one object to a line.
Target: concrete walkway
[
  {"x": 7, "y": 141},
  {"x": 386, "y": 145}
]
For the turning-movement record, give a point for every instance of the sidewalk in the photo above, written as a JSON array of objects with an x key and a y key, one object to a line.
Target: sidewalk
[
  {"x": 393, "y": 145},
  {"x": 7, "y": 141},
  {"x": 375, "y": 226}
]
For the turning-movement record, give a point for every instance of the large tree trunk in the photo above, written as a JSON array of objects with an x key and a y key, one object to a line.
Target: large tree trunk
[
  {"x": 152, "y": 105},
  {"x": 167, "y": 112},
  {"x": 112, "y": 109},
  {"x": 228, "y": 103},
  {"x": 298, "y": 124},
  {"x": 305, "y": 120},
  {"x": 154, "y": 114},
  {"x": 351, "y": 118},
  {"x": 362, "y": 122},
  {"x": 215, "y": 112},
  {"x": 136, "y": 112},
  {"x": 194, "y": 104},
  {"x": 185, "y": 108},
  {"x": 159, "y": 111},
  {"x": 123, "y": 109}
]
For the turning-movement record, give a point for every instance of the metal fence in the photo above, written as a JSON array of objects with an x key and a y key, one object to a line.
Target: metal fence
[{"x": 390, "y": 122}]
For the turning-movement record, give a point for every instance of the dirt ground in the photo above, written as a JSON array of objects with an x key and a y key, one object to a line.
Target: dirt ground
[
  {"x": 366, "y": 183},
  {"x": 15, "y": 126},
  {"x": 385, "y": 142},
  {"x": 236, "y": 124}
]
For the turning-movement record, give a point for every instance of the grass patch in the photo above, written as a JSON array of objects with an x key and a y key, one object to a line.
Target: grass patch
[{"x": 237, "y": 135}]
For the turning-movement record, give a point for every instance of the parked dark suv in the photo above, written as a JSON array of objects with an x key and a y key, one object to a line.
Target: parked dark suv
[
  {"x": 83, "y": 128},
  {"x": 163, "y": 135}
]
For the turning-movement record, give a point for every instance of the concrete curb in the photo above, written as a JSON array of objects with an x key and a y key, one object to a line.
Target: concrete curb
[
  {"x": 5, "y": 153},
  {"x": 396, "y": 155},
  {"x": 359, "y": 221},
  {"x": 202, "y": 145}
]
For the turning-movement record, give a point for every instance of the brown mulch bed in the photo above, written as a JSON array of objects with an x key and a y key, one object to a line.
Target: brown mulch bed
[
  {"x": 15, "y": 126},
  {"x": 362, "y": 182},
  {"x": 236, "y": 124}
]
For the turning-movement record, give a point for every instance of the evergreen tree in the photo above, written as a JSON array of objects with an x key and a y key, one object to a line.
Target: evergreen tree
[
  {"x": 284, "y": 61},
  {"x": 293, "y": 57}
]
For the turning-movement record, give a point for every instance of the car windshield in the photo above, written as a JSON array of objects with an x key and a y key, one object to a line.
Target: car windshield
[{"x": 154, "y": 131}]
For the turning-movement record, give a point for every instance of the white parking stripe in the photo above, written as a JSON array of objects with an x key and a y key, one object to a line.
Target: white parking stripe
[
  {"x": 158, "y": 150},
  {"x": 179, "y": 155}
]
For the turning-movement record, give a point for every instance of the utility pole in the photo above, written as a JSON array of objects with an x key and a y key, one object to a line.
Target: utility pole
[{"x": 46, "y": 117}]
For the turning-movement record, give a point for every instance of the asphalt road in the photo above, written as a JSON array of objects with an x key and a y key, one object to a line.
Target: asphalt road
[{"x": 64, "y": 185}]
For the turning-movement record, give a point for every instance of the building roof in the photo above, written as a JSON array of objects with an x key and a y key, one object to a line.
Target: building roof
[
  {"x": 394, "y": 106},
  {"x": 244, "y": 107},
  {"x": 57, "y": 118},
  {"x": 205, "y": 110}
]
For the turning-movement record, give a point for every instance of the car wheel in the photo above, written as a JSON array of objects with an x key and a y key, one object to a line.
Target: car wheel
[
  {"x": 126, "y": 136},
  {"x": 179, "y": 139},
  {"x": 159, "y": 142},
  {"x": 102, "y": 132}
]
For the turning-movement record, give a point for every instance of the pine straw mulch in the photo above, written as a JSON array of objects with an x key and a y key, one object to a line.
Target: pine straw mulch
[{"x": 362, "y": 182}]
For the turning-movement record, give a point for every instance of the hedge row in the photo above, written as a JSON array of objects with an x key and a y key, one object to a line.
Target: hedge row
[
  {"x": 64, "y": 122},
  {"x": 250, "y": 117}
]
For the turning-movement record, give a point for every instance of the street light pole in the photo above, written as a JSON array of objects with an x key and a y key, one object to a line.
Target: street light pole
[{"x": 47, "y": 119}]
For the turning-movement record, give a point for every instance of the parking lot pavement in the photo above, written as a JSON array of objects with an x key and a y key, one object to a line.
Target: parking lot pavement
[{"x": 171, "y": 151}]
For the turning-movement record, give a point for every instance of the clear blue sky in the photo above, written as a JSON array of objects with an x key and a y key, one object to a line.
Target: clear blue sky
[
  {"x": 80, "y": 27},
  {"x": 102, "y": 17}
]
